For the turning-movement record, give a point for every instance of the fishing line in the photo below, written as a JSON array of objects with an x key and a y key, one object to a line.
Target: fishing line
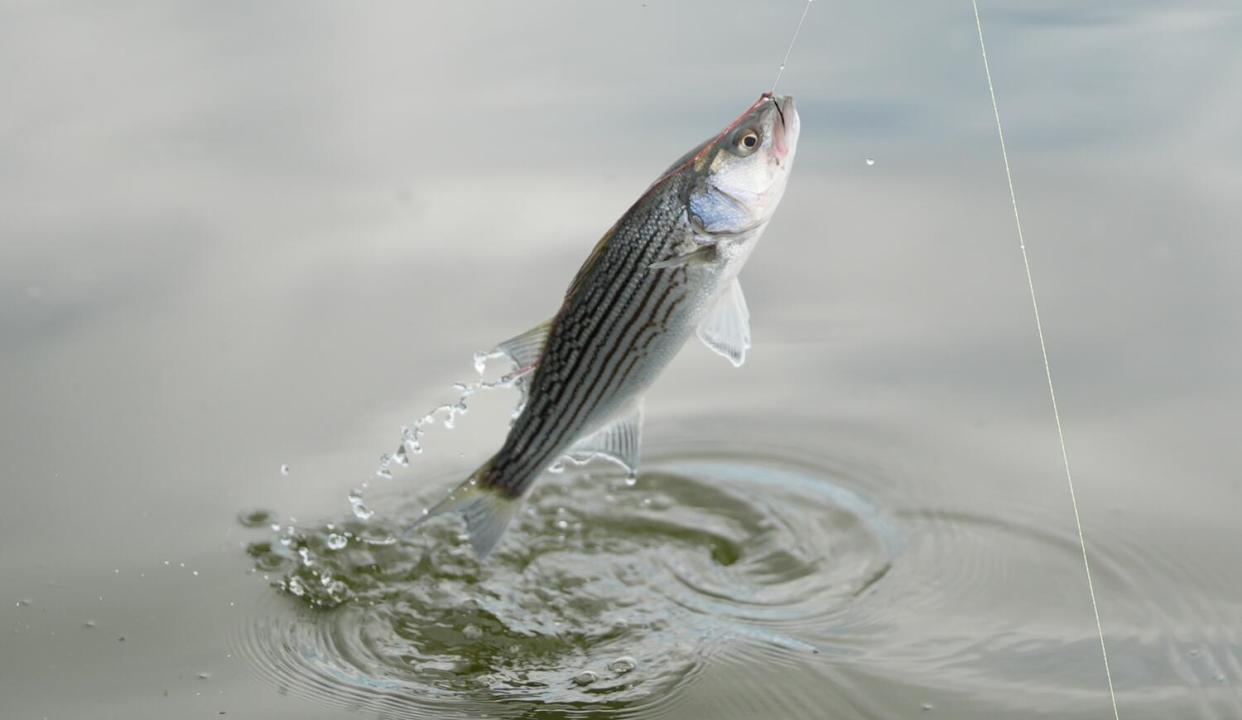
[
  {"x": 1043, "y": 348},
  {"x": 792, "y": 40}
]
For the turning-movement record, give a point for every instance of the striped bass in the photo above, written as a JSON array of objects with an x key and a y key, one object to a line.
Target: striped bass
[{"x": 665, "y": 271}]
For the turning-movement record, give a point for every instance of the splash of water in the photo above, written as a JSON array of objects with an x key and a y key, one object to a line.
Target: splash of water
[
  {"x": 447, "y": 414},
  {"x": 603, "y": 594}
]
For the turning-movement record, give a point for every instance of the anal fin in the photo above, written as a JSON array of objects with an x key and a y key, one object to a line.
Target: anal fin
[{"x": 619, "y": 441}]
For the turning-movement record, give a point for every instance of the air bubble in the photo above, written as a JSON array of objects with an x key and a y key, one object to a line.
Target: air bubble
[
  {"x": 623, "y": 664},
  {"x": 586, "y": 677},
  {"x": 870, "y": 162},
  {"x": 284, "y": 469},
  {"x": 336, "y": 541}
]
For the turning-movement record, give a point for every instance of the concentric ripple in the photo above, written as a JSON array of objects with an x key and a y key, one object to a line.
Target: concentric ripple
[
  {"x": 602, "y": 595},
  {"x": 752, "y": 583}
]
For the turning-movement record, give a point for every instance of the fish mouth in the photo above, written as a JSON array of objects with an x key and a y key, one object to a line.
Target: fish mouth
[{"x": 785, "y": 129}]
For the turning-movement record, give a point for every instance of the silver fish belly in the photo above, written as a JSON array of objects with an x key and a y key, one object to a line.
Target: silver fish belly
[{"x": 666, "y": 269}]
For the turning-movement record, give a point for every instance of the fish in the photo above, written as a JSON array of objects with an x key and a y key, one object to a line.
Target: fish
[{"x": 665, "y": 271}]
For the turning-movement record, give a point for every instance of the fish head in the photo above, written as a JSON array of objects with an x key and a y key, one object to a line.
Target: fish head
[{"x": 740, "y": 174}]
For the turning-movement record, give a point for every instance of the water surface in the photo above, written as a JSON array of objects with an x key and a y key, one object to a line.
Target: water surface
[{"x": 235, "y": 238}]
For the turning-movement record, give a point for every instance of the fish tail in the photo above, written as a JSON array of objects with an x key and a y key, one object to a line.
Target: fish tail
[{"x": 486, "y": 507}]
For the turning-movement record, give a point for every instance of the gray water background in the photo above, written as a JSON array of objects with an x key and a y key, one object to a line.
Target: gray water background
[{"x": 234, "y": 236}]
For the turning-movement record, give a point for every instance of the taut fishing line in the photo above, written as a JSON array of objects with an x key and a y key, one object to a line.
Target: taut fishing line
[
  {"x": 792, "y": 40},
  {"x": 1039, "y": 328},
  {"x": 1043, "y": 348}
]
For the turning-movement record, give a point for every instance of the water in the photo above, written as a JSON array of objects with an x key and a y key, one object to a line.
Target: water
[{"x": 240, "y": 241}]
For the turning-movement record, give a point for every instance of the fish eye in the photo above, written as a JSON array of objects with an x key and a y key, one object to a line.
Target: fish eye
[{"x": 747, "y": 141}]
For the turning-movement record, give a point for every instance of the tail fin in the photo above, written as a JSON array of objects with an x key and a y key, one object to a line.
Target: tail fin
[{"x": 486, "y": 509}]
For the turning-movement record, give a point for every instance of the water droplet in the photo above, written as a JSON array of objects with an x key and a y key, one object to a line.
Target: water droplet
[
  {"x": 89, "y": 624},
  {"x": 361, "y": 511},
  {"x": 409, "y": 440},
  {"x": 294, "y": 585},
  {"x": 623, "y": 664},
  {"x": 586, "y": 677},
  {"x": 562, "y": 524},
  {"x": 631, "y": 481},
  {"x": 472, "y": 632},
  {"x": 337, "y": 541},
  {"x": 928, "y": 707},
  {"x": 284, "y": 469},
  {"x": 204, "y": 676},
  {"x": 304, "y": 553},
  {"x": 870, "y": 162},
  {"x": 480, "y": 362},
  {"x": 24, "y": 602}
]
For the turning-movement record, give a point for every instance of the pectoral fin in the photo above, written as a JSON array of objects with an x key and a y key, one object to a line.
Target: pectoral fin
[
  {"x": 618, "y": 441},
  {"x": 699, "y": 255},
  {"x": 726, "y": 329}
]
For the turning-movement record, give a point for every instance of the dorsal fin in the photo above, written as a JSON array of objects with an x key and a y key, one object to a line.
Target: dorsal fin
[
  {"x": 596, "y": 253},
  {"x": 526, "y": 349}
]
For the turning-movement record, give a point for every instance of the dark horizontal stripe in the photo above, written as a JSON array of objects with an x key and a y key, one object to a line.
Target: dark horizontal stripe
[{"x": 567, "y": 367}]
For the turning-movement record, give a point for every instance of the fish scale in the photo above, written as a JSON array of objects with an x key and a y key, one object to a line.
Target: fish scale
[
  {"x": 666, "y": 270},
  {"x": 577, "y": 341}
]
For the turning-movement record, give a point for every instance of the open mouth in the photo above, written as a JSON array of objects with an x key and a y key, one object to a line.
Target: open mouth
[{"x": 787, "y": 123}]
